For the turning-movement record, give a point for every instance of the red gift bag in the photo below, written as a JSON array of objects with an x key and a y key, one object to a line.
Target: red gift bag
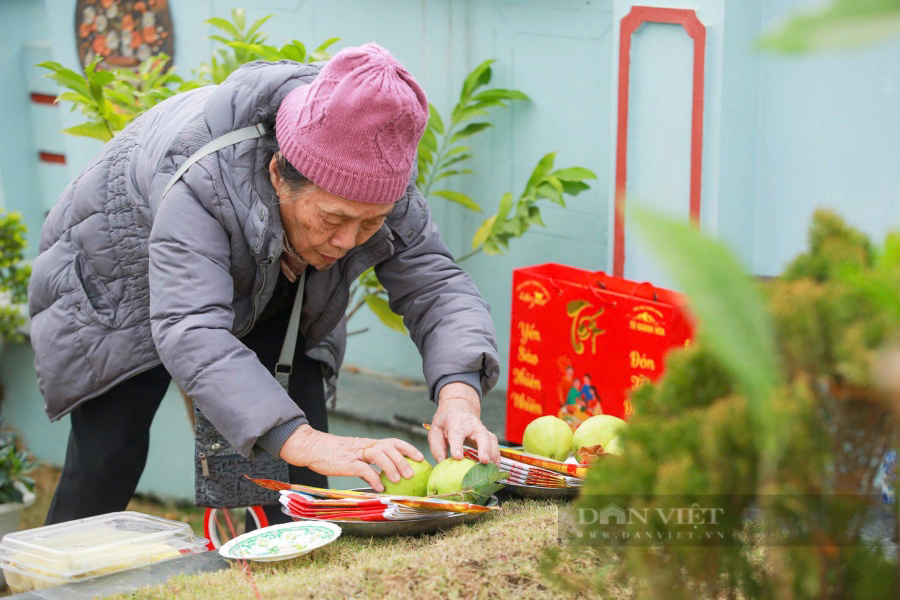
[{"x": 581, "y": 340}]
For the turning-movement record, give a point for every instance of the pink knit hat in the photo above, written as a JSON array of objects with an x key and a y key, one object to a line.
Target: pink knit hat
[{"x": 354, "y": 130}]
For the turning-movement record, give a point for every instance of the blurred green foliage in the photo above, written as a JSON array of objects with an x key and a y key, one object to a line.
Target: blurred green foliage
[
  {"x": 844, "y": 23},
  {"x": 695, "y": 435},
  {"x": 14, "y": 274}
]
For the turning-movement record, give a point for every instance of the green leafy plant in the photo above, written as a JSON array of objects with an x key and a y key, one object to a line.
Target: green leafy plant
[
  {"x": 88, "y": 94},
  {"x": 112, "y": 99},
  {"x": 245, "y": 45},
  {"x": 14, "y": 274},
  {"x": 14, "y": 464},
  {"x": 440, "y": 155},
  {"x": 226, "y": 60},
  {"x": 135, "y": 92},
  {"x": 513, "y": 219}
]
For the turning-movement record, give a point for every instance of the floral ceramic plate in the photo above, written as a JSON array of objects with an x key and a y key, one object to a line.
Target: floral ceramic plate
[{"x": 280, "y": 542}]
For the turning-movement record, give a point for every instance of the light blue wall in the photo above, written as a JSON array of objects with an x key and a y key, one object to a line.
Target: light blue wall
[
  {"x": 782, "y": 135},
  {"x": 830, "y": 136},
  {"x": 24, "y": 31}
]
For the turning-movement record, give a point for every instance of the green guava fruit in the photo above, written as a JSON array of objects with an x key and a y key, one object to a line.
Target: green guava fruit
[
  {"x": 548, "y": 436},
  {"x": 415, "y": 485},
  {"x": 447, "y": 476},
  {"x": 599, "y": 429},
  {"x": 614, "y": 446}
]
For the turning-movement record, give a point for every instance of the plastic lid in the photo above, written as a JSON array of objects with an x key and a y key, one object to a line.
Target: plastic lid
[{"x": 96, "y": 546}]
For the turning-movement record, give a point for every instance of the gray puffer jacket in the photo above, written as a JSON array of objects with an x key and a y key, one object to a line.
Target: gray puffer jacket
[{"x": 124, "y": 283}]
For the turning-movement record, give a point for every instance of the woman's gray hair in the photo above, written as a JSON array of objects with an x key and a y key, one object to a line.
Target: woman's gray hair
[{"x": 268, "y": 144}]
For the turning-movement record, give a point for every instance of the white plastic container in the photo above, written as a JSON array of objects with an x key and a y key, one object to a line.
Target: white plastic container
[{"x": 78, "y": 550}]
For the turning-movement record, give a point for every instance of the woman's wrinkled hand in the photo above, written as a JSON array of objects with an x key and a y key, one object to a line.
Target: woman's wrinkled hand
[
  {"x": 456, "y": 420},
  {"x": 338, "y": 455}
]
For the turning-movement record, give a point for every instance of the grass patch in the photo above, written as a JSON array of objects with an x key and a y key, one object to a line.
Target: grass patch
[{"x": 497, "y": 557}]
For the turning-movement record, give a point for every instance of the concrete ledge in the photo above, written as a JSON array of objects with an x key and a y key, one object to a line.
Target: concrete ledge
[{"x": 402, "y": 404}]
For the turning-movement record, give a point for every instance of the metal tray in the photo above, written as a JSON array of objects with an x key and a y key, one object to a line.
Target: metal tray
[
  {"x": 386, "y": 528},
  {"x": 536, "y": 491}
]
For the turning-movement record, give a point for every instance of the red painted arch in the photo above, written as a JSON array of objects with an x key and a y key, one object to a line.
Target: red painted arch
[{"x": 697, "y": 31}]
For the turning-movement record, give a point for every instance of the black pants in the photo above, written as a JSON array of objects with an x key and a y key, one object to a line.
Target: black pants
[{"x": 110, "y": 434}]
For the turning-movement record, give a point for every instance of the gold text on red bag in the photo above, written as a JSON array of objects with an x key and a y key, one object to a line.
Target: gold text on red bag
[
  {"x": 533, "y": 293},
  {"x": 585, "y": 324}
]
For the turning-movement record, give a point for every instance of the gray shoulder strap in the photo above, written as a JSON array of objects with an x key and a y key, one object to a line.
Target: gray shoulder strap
[
  {"x": 286, "y": 360},
  {"x": 229, "y": 139}
]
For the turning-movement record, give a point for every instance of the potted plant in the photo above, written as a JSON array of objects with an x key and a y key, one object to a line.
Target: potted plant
[{"x": 16, "y": 488}]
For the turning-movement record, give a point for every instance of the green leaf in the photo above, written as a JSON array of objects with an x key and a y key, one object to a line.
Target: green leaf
[
  {"x": 452, "y": 161},
  {"x": 481, "y": 481},
  {"x": 369, "y": 280},
  {"x": 506, "y": 203},
  {"x": 321, "y": 48},
  {"x": 542, "y": 168},
  {"x": 224, "y": 24},
  {"x": 382, "y": 310},
  {"x": 464, "y": 114},
  {"x": 94, "y": 130},
  {"x": 487, "y": 104},
  {"x": 554, "y": 183},
  {"x": 66, "y": 77},
  {"x": 573, "y": 188},
  {"x": 451, "y": 173},
  {"x": 256, "y": 25},
  {"x": 480, "y": 75},
  {"x": 551, "y": 193},
  {"x": 492, "y": 247},
  {"x": 295, "y": 48},
  {"x": 725, "y": 300},
  {"x": 73, "y": 97},
  {"x": 499, "y": 94},
  {"x": 483, "y": 232},
  {"x": 295, "y": 51},
  {"x": 469, "y": 130},
  {"x": 534, "y": 216},
  {"x": 574, "y": 174},
  {"x": 458, "y": 198},
  {"x": 434, "y": 119},
  {"x": 428, "y": 141}
]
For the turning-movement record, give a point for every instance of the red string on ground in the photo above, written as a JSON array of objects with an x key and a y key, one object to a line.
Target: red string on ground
[{"x": 243, "y": 563}]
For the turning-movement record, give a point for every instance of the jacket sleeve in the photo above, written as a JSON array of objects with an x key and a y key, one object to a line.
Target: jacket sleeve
[
  {"x": 446, "y": 316},
  {"x": 191, "y": 316}
]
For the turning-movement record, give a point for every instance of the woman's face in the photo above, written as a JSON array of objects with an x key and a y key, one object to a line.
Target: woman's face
[{"x": 321, "y": 226}]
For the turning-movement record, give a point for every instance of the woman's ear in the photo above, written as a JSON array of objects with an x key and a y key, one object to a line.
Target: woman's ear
[{"x": 274, "y": 176}]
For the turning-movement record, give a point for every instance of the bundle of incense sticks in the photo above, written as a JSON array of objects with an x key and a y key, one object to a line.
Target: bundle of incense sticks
[
  {"x": 433, "y": 503},
  {"x": 302, "y": 506},
  {"x": 575, "y": 470},
  {"x": 524, "y": 474}
]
